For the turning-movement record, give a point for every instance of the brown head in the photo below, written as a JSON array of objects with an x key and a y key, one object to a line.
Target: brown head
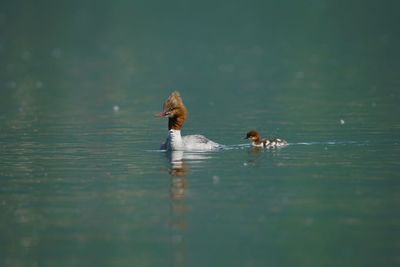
[
  {"x": 253, "y": 136},
  {"x": 175, "y": 110}
]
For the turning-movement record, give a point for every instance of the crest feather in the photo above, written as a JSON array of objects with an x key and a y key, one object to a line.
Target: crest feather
[
  {"x": 174, "y": 100},
  {"x": 176, "y": 93}
]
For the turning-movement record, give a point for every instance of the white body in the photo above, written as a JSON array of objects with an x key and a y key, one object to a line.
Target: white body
[{"x": 189, "y": 142}]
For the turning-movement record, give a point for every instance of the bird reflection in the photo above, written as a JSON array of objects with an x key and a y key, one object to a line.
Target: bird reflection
[
  {"x": 178, "y": 170},
  {"x": 256, "y": 151},
  {"x": 258, "y": 155},
  {"x": 178, "y": 191}
]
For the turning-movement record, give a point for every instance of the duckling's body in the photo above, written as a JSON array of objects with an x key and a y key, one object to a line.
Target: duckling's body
[{"x": 257, "y": 141}]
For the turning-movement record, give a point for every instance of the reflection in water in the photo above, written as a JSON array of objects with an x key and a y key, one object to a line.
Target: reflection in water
[
  {"x": 178, "y": 170},
  {"x": 255, "y": 153}
]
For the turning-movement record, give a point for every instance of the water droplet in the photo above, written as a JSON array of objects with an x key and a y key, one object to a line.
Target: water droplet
[
  {"x": 57, "y": 52},
  {"x": 38, "y": 84},
  {"x": 116, "y": 108},
  {"x": 180, "y": 68},
  {"x": 215, "y": 179},
  {"x": 299, "y": 75},
  {"x": 25, "y": 55},
  {"x": 11, "y": 84},
  {"x": 226, "y": 68},
  {"x": 341, "y": 121}
]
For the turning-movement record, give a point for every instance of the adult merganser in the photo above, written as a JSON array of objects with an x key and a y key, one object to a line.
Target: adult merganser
[
  {"x": 257, "y": 141},
  {"x": 177, "y": 114}
]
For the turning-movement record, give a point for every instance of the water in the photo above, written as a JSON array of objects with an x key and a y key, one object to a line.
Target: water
[{"x": 82, "y": 182}]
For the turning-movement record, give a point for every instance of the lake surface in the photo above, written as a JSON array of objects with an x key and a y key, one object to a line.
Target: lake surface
[{"x": 82, "y": 182}]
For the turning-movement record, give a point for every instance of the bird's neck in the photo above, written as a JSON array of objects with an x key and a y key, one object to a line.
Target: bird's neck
[{"x": 174, "y": 140}]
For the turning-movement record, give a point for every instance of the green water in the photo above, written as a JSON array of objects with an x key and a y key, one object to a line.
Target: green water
[{"x": 82, "y": 182}]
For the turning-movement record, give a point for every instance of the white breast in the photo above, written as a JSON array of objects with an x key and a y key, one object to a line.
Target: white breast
[{"x": 174, "y": 140}]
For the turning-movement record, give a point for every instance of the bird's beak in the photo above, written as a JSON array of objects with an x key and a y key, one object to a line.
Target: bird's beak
[
  {"x": 246, "y": 137},
  {"x": 161, "y": 114}
]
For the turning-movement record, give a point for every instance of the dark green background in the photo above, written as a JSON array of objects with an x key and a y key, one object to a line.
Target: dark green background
[{"x": 82, "y": 182}]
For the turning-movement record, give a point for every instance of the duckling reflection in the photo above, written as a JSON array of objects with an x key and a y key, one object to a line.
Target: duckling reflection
[
  {"x": 254, "y": 153},
  {"x": 258, "y": 155}
]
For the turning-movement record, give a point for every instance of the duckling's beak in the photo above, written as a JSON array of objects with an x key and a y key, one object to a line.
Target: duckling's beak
[{"x": 246, "y": 137}]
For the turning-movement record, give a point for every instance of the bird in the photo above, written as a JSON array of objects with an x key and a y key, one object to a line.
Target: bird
[
  {"x": 257, "y": 141},
  {"x": 175, "y": 110}
]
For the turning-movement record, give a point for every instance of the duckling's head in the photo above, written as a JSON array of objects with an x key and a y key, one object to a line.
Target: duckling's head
[{"x": 253, "y": 136}]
